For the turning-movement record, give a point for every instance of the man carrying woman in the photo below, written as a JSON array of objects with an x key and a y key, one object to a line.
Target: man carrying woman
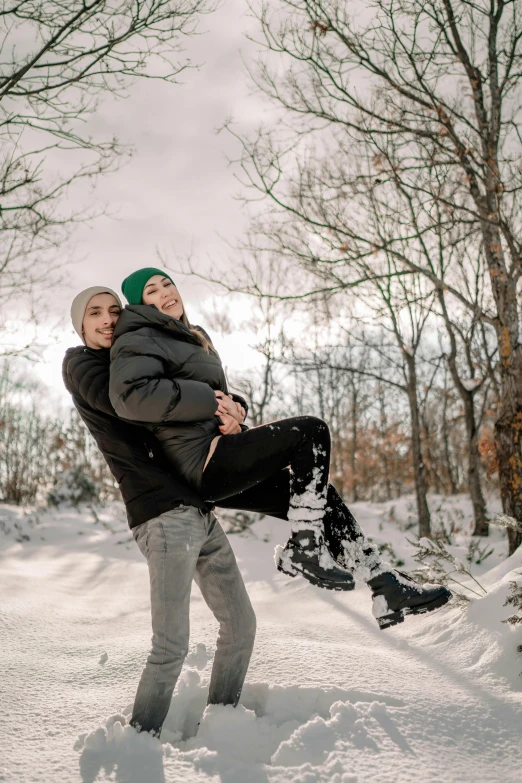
[{"x": 166, "y": 376}]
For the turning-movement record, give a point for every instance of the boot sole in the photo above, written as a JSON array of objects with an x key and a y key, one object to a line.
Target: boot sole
[
  {"x": 394, "y": 618},
  {"x": 344, "y": 586}
]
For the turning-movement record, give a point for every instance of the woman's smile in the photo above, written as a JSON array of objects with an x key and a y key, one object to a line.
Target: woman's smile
[{"x": 169, "y": 304}]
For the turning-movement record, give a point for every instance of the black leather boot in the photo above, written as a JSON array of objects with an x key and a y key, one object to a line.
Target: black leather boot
[
  {"x": 396, "y": 594},
  {"x": 303, "y": 556}
]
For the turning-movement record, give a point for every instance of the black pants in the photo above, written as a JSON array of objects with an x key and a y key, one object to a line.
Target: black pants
[{"x": 249, "y": 471}]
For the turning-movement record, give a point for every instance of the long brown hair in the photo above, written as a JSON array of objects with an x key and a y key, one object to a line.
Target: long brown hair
[{"x": 203, "y": 339}]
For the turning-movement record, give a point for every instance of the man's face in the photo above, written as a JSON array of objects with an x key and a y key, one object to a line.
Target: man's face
[{"x": 101, "y": 315}]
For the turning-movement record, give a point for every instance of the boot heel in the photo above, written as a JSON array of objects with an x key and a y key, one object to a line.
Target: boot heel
[
  {"x": 390, "y": 619},
  {"x": 293, "y": 561}
]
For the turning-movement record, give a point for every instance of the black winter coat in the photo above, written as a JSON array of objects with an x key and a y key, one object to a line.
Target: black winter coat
[
  {"x": 133, "y": 455},
  {"x": 160, "y": 374}
]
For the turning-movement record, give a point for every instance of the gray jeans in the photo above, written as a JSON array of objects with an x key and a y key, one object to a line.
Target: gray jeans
[{"x": 182, "y": 545}]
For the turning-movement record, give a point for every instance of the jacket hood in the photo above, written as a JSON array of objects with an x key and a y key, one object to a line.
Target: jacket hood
[{"x": 135, "y": 317}]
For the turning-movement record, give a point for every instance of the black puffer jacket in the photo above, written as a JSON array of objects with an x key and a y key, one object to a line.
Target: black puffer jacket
[
  {"x": 160, "y": 374},
  {"x": 132, "y": 453}
]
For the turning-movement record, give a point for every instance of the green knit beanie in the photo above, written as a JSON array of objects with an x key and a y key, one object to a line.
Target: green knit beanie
[{"x": 134, "y": 284}]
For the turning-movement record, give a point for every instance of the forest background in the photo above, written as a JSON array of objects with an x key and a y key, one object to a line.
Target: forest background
[{"x": 371, "y": 259}]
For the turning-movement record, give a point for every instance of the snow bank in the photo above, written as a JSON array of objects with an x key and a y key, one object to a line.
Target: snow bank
[
  {"x": 318, "y": 734},
  {"x": 475, "y": 639},
  {"x": 297, "y": 732},
  {"x": 329, "y": 697}
]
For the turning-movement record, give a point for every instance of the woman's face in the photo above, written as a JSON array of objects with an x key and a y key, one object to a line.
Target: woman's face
[{"x": 162, "y": 292}]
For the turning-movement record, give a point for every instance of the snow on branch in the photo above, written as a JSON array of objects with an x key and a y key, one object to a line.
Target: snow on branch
[{"x": 503, "y": 520}]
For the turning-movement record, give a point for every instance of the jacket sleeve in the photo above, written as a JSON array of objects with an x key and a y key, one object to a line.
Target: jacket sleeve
[
  {"x": 139, "y": 390},
  {"x": 89, "y": 379}
]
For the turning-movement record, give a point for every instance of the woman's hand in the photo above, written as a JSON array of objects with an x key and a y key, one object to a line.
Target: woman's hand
[
  {"x": 229, "y": 425},
  {"x": 226, "y": 405}
]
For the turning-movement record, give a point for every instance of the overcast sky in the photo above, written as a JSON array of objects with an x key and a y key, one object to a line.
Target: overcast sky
[{"x": 177, "y": 192}]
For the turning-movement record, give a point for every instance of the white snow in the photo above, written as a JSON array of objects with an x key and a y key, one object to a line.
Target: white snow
[
  {"x": 379, "y": 606},
  {"x": 363, "y": 566},
  {"x": 329, "y": 697},
  {"x": 471, "y": 383}
]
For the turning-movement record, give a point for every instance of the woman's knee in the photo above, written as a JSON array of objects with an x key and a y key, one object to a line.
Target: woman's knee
[{"x": 314, "y": 426}]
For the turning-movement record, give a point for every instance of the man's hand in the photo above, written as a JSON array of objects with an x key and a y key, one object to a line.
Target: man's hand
[
  {"x": 229, "y": 426},
  {"x": 226, "y": 405},
  {"x": 241, "y": 412}
]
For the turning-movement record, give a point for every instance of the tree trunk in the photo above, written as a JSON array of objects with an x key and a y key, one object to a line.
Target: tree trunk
[
  {"x": 474, "y": 483},
  {"x": 467, "y": 396},
  {"x": 508, "y": 427},
  {"x": 508, "y": 430},
  {"x": 432, "y": 473},
  {"x": 384, "y": 427},
  {"x": 480, "y": 514},
  {"x": 353, "y": 460},
  {"x": 419, "y": 470},
  {"x": 445, "y": 440}
]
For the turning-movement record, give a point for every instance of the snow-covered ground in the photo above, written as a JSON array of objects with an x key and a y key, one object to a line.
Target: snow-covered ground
[{"x": 329, "y": 697}]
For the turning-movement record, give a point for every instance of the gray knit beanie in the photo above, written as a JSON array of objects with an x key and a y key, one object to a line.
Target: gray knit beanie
[{"x": 81, "y": 301}]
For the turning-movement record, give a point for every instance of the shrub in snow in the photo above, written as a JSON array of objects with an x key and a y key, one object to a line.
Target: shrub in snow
[
  {"x": 438, "y": 566},
  {"x": 73, "y": 487},
  {"x": 446, "y": 523},
  {"x": 478, "y": 552},
  {"x": 515, "y": 599}
]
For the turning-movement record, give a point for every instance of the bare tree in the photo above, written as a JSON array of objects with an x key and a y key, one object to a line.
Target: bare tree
[
  {"x": 38, "y": 452},
  {"x": 322, "y": 385},
  {"x": 440, "y": 80},
  {"x": 451, "y": 253},
  {"x": 58, "y": 60},
  {"x": 468, "y": 389},
  {"x": 260, "y": 384},
  {"x": 390, "y": 359},
  {"x": 437, "y": 416}
]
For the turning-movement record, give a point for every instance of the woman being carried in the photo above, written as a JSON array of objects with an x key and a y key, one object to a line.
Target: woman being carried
[{"x": 167, "y": 375}]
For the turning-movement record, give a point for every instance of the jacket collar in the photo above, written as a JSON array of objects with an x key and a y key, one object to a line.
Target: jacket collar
[
  {"x": 99, "y": 353},
  {"x": 134, "y": 317}
]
